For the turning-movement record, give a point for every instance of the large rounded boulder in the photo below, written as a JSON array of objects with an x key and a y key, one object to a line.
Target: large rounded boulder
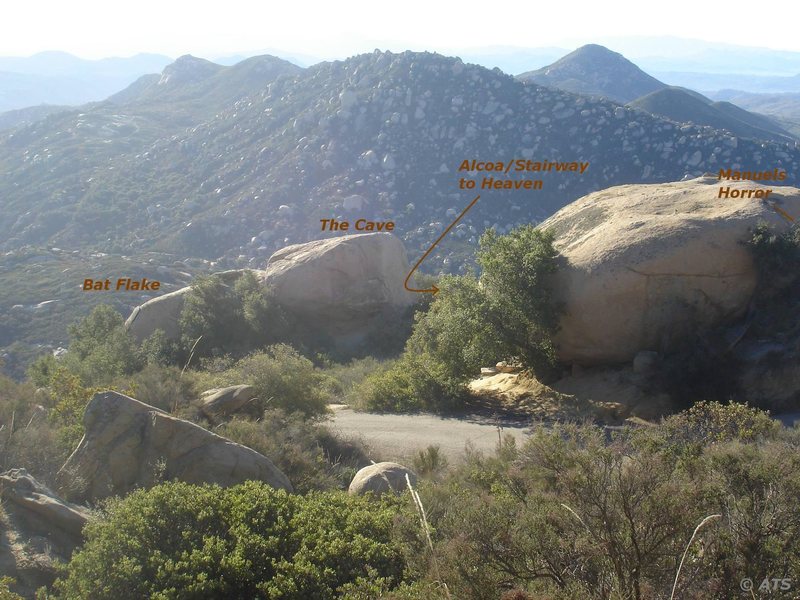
[
  {"x": 645, "y": 266},
  {"x": 339, "y": 286},
  {"x": 340, "y": 280}
]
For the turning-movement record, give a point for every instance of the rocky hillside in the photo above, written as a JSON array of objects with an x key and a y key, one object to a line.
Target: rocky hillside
[
  {"x": 384, "y": 132},
  {"x": 229, "y": 164},
  {"x": 596, "y": 71},
  {"x": 25, "y": 116}
]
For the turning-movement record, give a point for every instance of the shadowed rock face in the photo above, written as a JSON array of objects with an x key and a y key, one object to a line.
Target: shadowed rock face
[
  {"x": 130, "y": 444},
  {"x": 644, "y": 266},
  {"x": 38, "y": 529}
]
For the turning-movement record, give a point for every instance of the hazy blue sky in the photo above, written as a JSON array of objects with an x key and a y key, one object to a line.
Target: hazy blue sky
[{"x": 329, "y": 29}]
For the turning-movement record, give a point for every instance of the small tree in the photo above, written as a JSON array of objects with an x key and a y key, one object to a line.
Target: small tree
[
  {"x": 100, "y": 349},
  {"x": 516, "y": 279}
]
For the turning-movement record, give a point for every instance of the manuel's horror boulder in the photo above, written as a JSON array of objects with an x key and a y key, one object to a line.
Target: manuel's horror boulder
[{"x": 645, "y": 266}]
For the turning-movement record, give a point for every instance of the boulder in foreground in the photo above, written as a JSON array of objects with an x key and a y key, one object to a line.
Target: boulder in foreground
[
  {"x": 380, "y": 478},
  {"x": 39, "y": 529},
  {"x": 129, "y": 444}
]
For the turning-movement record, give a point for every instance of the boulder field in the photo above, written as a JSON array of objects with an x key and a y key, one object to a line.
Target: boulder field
[
  {"x": 336, "y": 284},
  {"x": 643, "y": 266}
]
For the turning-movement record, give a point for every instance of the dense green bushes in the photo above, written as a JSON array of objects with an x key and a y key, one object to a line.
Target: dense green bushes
[
  {"x": 776, "y": 256},
  {"x": 282, "y": 379},
  {"x": 100, "y": 350},
  {"x": 248, "y": 541}
]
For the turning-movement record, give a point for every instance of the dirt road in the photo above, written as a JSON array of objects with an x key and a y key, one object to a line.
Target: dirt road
[{"x": 397, "y": 437}]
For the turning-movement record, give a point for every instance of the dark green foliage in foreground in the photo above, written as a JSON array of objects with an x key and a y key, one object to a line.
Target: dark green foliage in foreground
[
  {"x": 571, "y": 516},
  {"x": 248, "y": 541},
  {"x": 508, "y": 315},
  {"x": 5, "y": 592}
]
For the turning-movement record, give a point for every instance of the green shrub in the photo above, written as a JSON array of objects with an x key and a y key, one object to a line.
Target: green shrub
[
  {"x": 231, "y": 318},
  {"x": 5, "y": 592},
  {"x": 755, "y": 489},
  {"x": 430, "y": 462},
  {"x": 458, "y": 332},
  {"x": 249, "y": 541},
  {"x": 776, "y": 256},
  {"x": 282, "y": 379},
  {"x": 312, "y": 455},
  {"x": 508, "y": 315},
  {"x": 346, "y": 378},
  {"x": 572, "y": 515},
  {"x": 100, "y": 350},
  {"x": 156, "y": 349},
  {"x": 713, "y": 422},
  {"x": 159, "y": 386},
  {"x": 41, "y": 428},
  {"x": 411, "y": 383}
]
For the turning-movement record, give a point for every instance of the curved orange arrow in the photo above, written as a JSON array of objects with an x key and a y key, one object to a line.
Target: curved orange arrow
[
  {"x": 433, "y": 289},
  {"x": 782, "y": 212}
]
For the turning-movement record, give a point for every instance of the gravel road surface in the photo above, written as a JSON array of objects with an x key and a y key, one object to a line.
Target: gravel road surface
[{"x": 397, "y": 437}]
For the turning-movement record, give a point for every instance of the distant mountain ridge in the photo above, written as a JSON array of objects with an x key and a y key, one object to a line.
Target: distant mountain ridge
[
  {"x": 597, "y": 71},
  {"x": 784, "y": 108},
  {"x": 388, "y": 128},
  {"x": 687, "y": 107},
  {"x": 207, "y": 86},
  {"x": 62, "y": 79}
]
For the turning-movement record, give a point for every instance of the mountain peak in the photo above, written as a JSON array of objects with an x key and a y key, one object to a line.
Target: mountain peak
[
  {"x": 188, "y": 69},
  {"x": 595, "y": 70}
]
